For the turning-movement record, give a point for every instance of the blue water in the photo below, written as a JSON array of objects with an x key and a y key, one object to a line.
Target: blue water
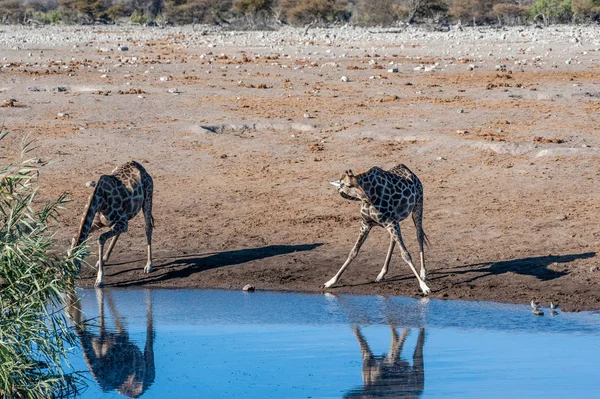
[{"x": 229, "y": 344}]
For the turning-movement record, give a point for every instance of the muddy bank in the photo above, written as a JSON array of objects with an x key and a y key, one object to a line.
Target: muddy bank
[{"x": 242, "y": 132}]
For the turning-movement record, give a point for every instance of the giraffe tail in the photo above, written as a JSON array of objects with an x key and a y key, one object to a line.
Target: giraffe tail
[{"x": 426, "y": 240}]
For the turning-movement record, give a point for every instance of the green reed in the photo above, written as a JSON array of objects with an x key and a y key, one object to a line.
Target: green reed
[{"x": 35, "y": 336}]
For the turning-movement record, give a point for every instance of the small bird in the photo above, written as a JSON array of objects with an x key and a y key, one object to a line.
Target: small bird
[
  {"x": 554, "y": 306},
  {"x": 536, "y": 308},
  {"x": 537, "y": 312}
]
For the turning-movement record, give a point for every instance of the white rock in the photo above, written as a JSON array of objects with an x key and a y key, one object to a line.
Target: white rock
[{"x": 344, "y": 79}]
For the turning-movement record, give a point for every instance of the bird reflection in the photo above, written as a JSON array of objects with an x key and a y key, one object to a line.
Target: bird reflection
[
  {"x": 389, "y": 376},
  {"x": 114, "y": 361}
]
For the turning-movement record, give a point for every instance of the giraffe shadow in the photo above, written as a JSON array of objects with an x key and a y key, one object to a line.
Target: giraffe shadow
[
  {"x": 536, "y": 266},
  {"x": 186, "y": 266}
]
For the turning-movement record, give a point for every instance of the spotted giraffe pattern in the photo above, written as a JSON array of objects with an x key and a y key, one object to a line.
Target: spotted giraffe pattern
[
  {"x": 118, "y": 198},
  {"x": 388, "y": 197}
]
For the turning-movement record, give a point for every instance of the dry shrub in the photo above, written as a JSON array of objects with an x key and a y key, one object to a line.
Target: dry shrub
[
  {"x": 377, "y": 12},
  {"x": 300, "y": 12},
  {"x": 11, "y": 12},
  {"x": 196, "y": 11},
  {"x": 586, "y": 10},
  {"x": 510, "y": 13}
]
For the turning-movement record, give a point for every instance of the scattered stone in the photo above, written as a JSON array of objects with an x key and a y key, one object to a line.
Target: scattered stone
[
  {"x": 460, "y": 111},
  {"x": 562, "y": 217},
  {"x": 393, "y": 70},
  {"x": 123, "y": 48},
  {"x": 307, "y": 115},
  {"x": 60, "y": 89},
  {"x": 462, "y": 131},
  {"x": 249, "y": 288},
  {"x": 62, "y": 115},
  {"x": 544, "y": 140},
  {"x": 9, "y": 103},
  {"x": 344, "y": 79},
  {"x": 131, "y": 91},
  {"x": 166, "y": 78},
  {"x": 316, "y": 147},
  {"x": 594, "y": 269},
  {"x": 174, "y": 91},
  {"x": 35, "y": 89},
  {"x": 90, "y": 183}
]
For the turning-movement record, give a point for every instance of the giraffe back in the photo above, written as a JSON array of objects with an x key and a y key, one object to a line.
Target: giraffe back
[
  {"x": 123, "y": 193},
  {"x": 392, "y": 194}
]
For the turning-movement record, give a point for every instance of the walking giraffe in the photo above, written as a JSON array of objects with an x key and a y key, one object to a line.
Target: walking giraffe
[
  {"x": 116, "y": 199},
  {"x": 388, "y": 197}
]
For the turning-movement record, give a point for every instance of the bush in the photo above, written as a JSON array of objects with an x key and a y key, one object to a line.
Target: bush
[
  {"x": 475, "y": 11},
  {"x": 509, "y": 13},
  {"x": 34, "y": 331},
  {"x": 84, "y": 10},
  {"x": 552, "y": 11},
  {"x": 50, "y": 17},
  {"x": 254, "y": 7},
  {"x": 196, "y": 11},
  {"x": 376, "y": 12},
  {"x": 11, "y": 12},
  {"x": 586, "y": 10},
  {"x": 306, "y": 11}
]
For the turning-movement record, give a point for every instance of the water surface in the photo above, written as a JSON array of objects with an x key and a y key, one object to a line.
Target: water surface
[{"x": 229, "y": 344}]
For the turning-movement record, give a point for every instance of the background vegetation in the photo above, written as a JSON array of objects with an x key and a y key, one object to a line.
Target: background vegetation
[
  {"x": 34, "y": 334},
  {"x": 261, "y": 13}
]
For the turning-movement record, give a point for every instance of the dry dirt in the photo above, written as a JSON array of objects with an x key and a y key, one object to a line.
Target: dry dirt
[{"x": 502, "y": 133}]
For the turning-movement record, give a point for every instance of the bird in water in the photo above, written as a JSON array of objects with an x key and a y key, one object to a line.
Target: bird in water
[
  {"x": 536, "y": 308},
  {"x": 554, "y": 307}
]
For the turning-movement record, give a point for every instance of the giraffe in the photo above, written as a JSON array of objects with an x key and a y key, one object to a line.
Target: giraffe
[
  {"x": 116, "y": 199},
  {"x": 388, "y": 197},
  {"x": 390, "y": 376},
  {"x": 115, "y": 362}
]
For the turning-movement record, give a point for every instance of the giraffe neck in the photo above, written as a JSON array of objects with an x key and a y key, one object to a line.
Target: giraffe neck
[{"x": 88, "y": 218}]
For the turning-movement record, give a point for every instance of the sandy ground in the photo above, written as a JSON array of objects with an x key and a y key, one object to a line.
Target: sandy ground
[{"x": 500, "y": 126}]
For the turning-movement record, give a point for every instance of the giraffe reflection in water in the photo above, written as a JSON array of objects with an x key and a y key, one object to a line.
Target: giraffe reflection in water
[
  {"x": 115, "y": 362},
  {"x": 389, "y": 376}
]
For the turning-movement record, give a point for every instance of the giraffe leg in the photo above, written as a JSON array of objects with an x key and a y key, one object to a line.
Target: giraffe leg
[
  {"x": 394, "y": 230},
  {"x": 118, "y": 228},
  {"x": 147, "y": 207},
  {"x": 396, "y": 345},
  {"x": 384, "y": 271},
  {"x": 417, "y": 215},
  {"x": 365, "y": 351},
  {"x": 109, "y": 250},
  {"x": 364, "y": 232}
]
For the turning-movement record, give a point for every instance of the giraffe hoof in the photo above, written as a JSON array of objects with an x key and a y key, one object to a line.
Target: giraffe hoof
[
  {"x": 426, "y": 290},
  {"x": 379, "y": 278},
  {"x": 329, "y": 284},
  {"x": 99, "y": 284},
  {"x": 148, "y": 268}
]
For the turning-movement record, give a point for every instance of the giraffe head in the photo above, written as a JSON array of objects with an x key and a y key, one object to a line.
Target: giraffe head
[{"x": 349, "y": 188}]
